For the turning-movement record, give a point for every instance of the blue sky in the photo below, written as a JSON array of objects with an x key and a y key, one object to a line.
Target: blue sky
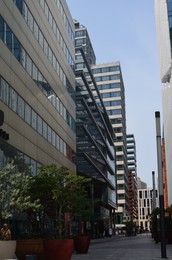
[{"x": 125, "y": 31}]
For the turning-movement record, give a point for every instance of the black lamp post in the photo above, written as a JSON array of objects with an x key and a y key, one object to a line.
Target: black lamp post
[{"x": 161, "y": 188}]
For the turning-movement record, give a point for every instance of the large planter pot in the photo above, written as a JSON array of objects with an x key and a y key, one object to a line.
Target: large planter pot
[
  {"x": 29, "y": 247},
  {"x": 81, "y": 244},
  {"x": 7, "y": 249},
  {"x": 168, "y": 236},
  {"x": 57, "y": 249}
]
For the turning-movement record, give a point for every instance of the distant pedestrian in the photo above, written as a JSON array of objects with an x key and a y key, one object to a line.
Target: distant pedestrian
[
  {"x": 134, "y": 231},
  {"x": 110, "y": 232},
  {"x": 5, "y": 232}
]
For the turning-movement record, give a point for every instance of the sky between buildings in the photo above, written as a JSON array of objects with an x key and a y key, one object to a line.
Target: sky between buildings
[{"x": 125, "y": 31}]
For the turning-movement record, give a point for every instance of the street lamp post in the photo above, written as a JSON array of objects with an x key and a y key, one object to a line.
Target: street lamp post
[
  {"x": 160, "y": 182},
  {"x": 153, "y": 191}
]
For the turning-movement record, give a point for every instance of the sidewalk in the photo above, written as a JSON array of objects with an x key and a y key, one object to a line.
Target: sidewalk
[{"x": 140, "y": 247}]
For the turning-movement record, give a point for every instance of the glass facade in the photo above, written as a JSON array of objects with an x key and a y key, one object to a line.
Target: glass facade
[{"x": 95, "y": 144}]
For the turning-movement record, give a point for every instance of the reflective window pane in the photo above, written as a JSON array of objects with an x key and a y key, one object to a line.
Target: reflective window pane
[
  {"x": 20, "y": 107},
  {"x": 27, "y": 113}
]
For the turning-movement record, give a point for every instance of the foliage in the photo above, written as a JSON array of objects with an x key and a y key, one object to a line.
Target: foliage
[
  {"x": 129, "y": 226},
  {"x": 14, "y": 192},
  {"x": 59, "y": 192}
]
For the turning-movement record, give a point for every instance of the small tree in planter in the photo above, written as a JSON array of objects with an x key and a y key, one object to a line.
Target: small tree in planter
[
  {"x": 15, "y": 192},
  {"x": 14, "y": 199},
  {"x": 60, "y": 192}
]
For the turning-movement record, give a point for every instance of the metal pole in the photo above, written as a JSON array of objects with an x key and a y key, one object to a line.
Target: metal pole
[
  {"x": 160, "y": 181},
  {"x": 154, "y": 192},
  {"x": 154, "y": 223}
]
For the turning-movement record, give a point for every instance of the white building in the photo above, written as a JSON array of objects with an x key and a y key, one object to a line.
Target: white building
[
  {"x": 163, "y": 14},
  {"x": 110, "y": 83},
  {"x": 145, "y": 207}
]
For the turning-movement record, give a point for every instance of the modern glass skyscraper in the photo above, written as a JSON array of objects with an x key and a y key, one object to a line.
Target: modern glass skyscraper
[
  {"x": 82, "y": 39},
  {"x": 37, "y": 82},
  {"x": 108, "y": 78},
  {"x": 95, "y": 136}
]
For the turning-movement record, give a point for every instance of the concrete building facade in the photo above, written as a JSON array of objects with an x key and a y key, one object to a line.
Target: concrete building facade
[
  {"x": 132, "y": 177},
  {"x": 110, "y": 83},
  {"x": 145, "y": 207},
  {"x": 163, "y": 15},
  {"x": 37, "y": 83}
]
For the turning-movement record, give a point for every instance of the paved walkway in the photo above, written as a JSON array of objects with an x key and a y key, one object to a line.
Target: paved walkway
[{"x": 140, "y": 247}]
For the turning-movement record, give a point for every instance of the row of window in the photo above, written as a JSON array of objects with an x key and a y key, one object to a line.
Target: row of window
[
  {"x": 105, "y": 69},
  {"x": 80, "y": 33},
  {"x": 79, "y": 42},
  {"x": 111, "y": 94},
  {"x": 118, "y": 130},
  {"x": 112, "y": 103},
  {"x": 120, "y": 187},
  {"x": 118, "y": 139},
  {"x": 64, "y": 19},
  {"x": 116, "y": 120},
  {"x": 56, "y": 31},
  {"x": 120, "y": 176},
  {"x": 61, "y": 11},
  {"x": 119, "y": 158},
  {"x": 107, "y": 78},
  {"x": 145, "y": 202},
  {"x": 8, "y": 152},
  {"x": 29, "y": 19},
  {"x": 18, "y": 105},
  {"x": 119, "y": 167},
  {"x": 147, "y": 194},
  {"x": 114, "y": 112},
  {"x": 109, "y": 86},
  {"x": 16, "y": 48},
  {"x": 143, "y": 212},
  {"x": 120, "y": 196}
]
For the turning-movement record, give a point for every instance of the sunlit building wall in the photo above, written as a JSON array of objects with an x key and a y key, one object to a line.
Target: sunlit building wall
[
  {"x": 163, "y": 15},
  {"x": 110, "y": 83},
  {"x": 145, "y": 207},
  {"x": 37, "y": 82}
]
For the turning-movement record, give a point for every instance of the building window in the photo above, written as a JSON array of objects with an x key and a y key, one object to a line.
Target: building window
[{"x": 140, "y": 194}]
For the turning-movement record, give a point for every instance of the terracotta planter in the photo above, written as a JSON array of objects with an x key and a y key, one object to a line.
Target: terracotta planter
[
  {"x": 7, "y": 249},
  {"x": 57, "y": 249},
  {"x": 29, "y": 247},
  {"x": 81, "y": 244},
  {"x": 168, "y": 236}
]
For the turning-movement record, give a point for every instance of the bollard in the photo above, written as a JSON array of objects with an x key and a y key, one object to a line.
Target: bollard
[{"x": 30, "y": 257}]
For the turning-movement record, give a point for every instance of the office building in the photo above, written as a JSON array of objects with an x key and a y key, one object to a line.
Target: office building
[
  {"x": 94, "y": 134},
  {"x": 82, "y": 39},
  {"x": 132, "y": 176},
  {"x": 37, "y": 83},
  {"x": 163, "y": 15},
  {"x": 145, "y": 207},
  {"x": 131, "y": 154},
  {"x": 110, "y": 83}
]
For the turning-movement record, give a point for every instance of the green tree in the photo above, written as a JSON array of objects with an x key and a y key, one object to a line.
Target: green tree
[
  {"x": 14, "y": 192},
  {"x": 59, "y": 191}
]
